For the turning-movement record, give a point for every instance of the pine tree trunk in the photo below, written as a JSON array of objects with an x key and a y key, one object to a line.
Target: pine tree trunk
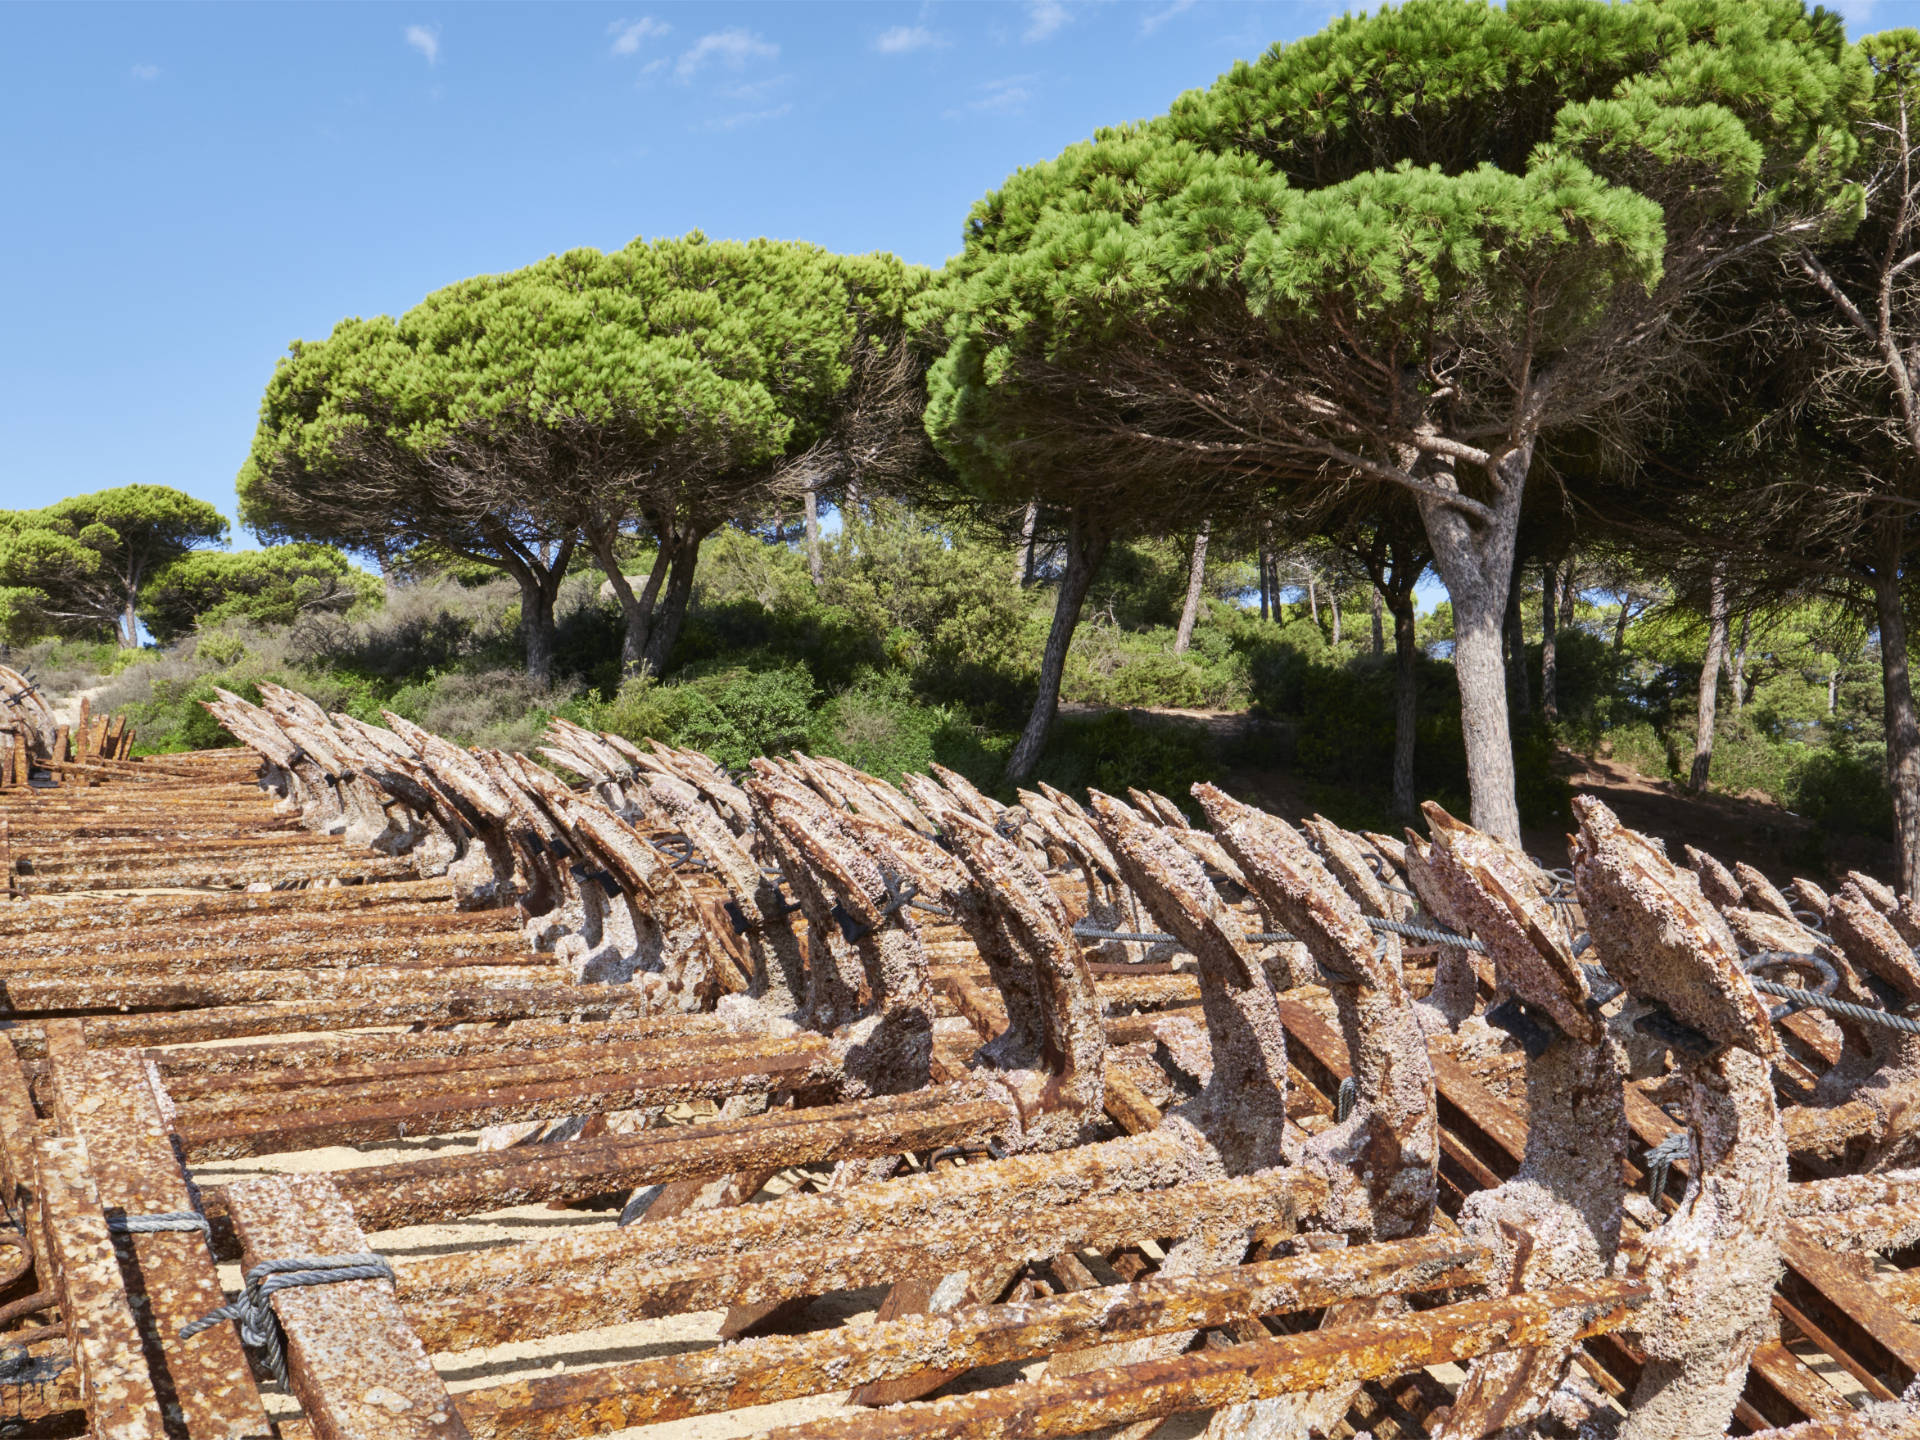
[
  {"x": 536, "y": 627},
  {"x": 1333, "y": 608},
  {"x": 1514, "y": 632},
  {"x": 1740, "y": 666},
  {"x": 1475, "y": 560},
  {"x": 1620, "y": 627},
  {"x": 1266, "y": 569},
  {"x": 1406, "y": 697},
  {"x": 1902, "y": 726},
  {"x": 635, "y": 610},
  {"x": 1549, "y": 656},
  {"x": 1313, "y": 599},
  {"x": 1196, "y": 578},
  {"x": 1086, "y": 547},
  {"x": 672, "y": 611},
  {"x": 1709, "y": 683},
  {"x": 1028, "y": 522},
  {"x": 1483, "y": 711},
  {"x": 1379, "y": 637},
  {"x": 1833, "y": 691},
  {"x": 1569, "y": 592},
  {"x": 813, "y": 532}
]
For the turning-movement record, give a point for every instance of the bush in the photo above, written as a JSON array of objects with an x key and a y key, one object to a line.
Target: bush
[
  {"x": 880, "y": 727},
  {"x": 501, "y": 709},
  {"x": 1843, "y": 789},
  {"x": 732, "y": 714},
  {"x": 1110, "y": 666},
  {"x": 1112, "y": 751}
]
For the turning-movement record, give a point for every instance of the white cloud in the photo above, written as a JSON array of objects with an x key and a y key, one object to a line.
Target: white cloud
[
  {"x": 1160, "y": 17},
  {"x": 748, "y": 117},
  {"x": 628, "y": 34},
  {"x": 752, "y": 92},
  {"x": 146, "y": 72},
  {"x": 426, "y": 40},
  {"x": 731, "y": 48},
  {"x": 903, "y": 38},
  {"x": 999, "y": 97},
  {"x": 1044, "y": 17}
]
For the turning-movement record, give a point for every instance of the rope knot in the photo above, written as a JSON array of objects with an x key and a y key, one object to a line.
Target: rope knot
[{"x": 252, "y": 1311}]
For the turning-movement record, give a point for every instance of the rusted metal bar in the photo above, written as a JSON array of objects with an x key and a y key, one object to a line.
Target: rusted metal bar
[
  {"x": 38, "y": 992},
  {"x": 466, "y": 1101},
  {"x": 762, "y": 1371},
  {"x": 422, "y": 1007},
  {"x": 274, "y": 1064},
  {"x": 624, "y": 1287},
  {"x": 107, "y": 1351},
  {"x": 359, "y": 1371},
  {"x": 444, "y": 1187},
  {"x": 104, "y": 1098},
  {"x": 1244, "y": 1373}
]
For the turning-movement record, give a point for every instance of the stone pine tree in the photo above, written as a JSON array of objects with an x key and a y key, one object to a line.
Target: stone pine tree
[
  {"x": 275, "y": 586},
  {"x": 1397, "y": 255},
  {"x": 667, "y": 388},
  {"x": 1860, "y": 317},
  {"x": 1793, "y": 469},
  {"x": 83, "y": 565},
  {"x": 354, "y": 449}
]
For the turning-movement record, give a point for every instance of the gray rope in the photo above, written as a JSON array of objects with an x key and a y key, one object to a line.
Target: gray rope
[
  {"x": 1085, "y": 930},
  {"x": 681, "y": 857},
  {"x": 1812, "y": 1000},
  {"x": 120, "y": 1224},
  {"x": 253, "y": 1310},
  {"x": 1798, "y": 999},
  {"x": 1660, "y": 1160},
  {"x": 1426, "y": 934}
]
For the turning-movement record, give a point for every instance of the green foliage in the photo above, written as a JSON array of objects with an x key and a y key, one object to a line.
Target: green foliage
[
  {"x": 882, "y": 728},
  {"x": 1112, "y": 751},
  {"x": 82, "y": 566},
  {"x": 500, "y": 708},
  {"x": 1842, "y": 788},
  {"x": 275, "y": 586},
  {"x": 506, "y": 416},
  {"x": 733, "y": 713},
  {"x": 1338, "y": 730}
]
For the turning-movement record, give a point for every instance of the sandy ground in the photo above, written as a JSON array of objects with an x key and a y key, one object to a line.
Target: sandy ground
[{"x": 612, "y": 1345}]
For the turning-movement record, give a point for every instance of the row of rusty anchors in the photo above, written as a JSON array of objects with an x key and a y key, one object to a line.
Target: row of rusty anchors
[
  {"x": 1856, "y": 946},
  {"x": 1672, "y": 993},
  {"x": 506, "y": 831},
  {"x": 1712, "y": 1264},
  {"x": 855, "y": 875},
  {"x": 25, "y": 711},
  {"x": 1550, "y": 1224}
]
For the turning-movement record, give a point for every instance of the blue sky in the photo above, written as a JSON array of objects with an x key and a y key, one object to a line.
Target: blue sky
[{"x": 190, "y": 187}]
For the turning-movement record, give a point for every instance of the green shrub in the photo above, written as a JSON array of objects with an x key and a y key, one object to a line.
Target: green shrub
[
  {"x": 1112, "y": 751},
  {"x": 733, "y": 714},
  {"x": 496, "y": 708},
  {"x": 1843, "y": 789},
  {"x": 878, "y": 726},
  {"x": 1110, "y": 666}
]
